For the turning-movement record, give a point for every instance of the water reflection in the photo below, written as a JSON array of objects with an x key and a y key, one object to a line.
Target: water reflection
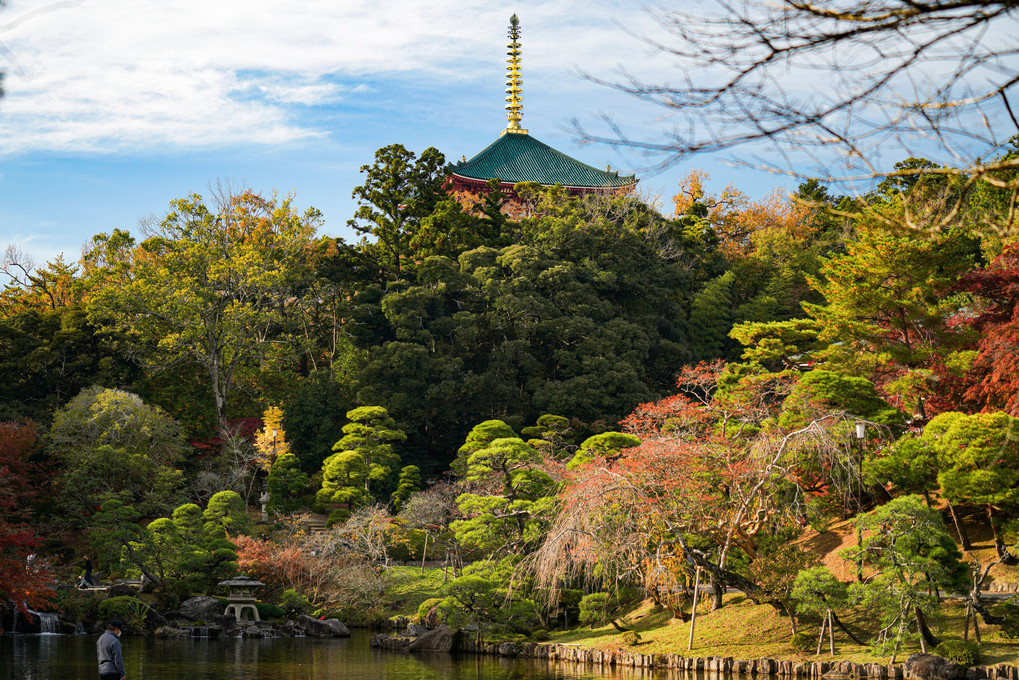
[{"x": 61, "y": 657}]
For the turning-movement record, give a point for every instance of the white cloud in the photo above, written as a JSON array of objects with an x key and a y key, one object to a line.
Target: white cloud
[{"x": 123, "y": 75}]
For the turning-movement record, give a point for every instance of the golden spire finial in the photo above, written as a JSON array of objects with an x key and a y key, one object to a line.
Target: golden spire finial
[{"x": 514, "y": 105}]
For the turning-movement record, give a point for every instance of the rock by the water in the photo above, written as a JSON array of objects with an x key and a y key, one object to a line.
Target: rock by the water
[
  {"x": 172, "y": 632},
  {"x": 442, "y": 639},
  {"x": 317, "y": 628},
  {"x": 174, "y": 616},
  {"x": 122, "y": 590},
  {"x": 508, "y": 649},
  {"x": 201, "y": 608},
  {"x": 228, "y": 624},
  {"x": 393, "y": 643},
  {"x": 932, "y": 667},
  {"x": 415, "y": 630}
]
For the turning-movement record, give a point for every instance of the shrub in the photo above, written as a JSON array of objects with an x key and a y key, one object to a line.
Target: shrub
[
  {"x": 631, "y": 638},
  {"x": 961, "y": 652},
  {"x": 1010, "y": 627},
  {"x": 802, "y": 642},
  {"x": 268, "y": 611},
  {"x": 128, "y": 609},
  {"x": 540, "y": 635},
  {"x": 292, "y": 602},
  {"x": 426, "y": 607},
  {"x": 594, "y": 609},
  {"x": 79, "y": 606}
]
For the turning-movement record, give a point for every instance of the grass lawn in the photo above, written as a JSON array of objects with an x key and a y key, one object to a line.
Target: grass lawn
[
  {"x": 744, "y": 630},
  {"x": 408, "y": 587}
]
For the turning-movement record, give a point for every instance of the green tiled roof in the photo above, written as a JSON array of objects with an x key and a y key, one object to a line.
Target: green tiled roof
[{"x": 518, "y": 157}]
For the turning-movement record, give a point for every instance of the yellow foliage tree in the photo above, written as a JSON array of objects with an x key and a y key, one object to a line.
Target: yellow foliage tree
[
  {"x": 735, "y": 218},
  {"x": 271, "y": 440}
]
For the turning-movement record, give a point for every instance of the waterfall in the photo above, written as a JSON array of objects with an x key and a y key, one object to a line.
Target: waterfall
[
  {"x": 79, "y": 628},
  {"x": 47, "y": 621}
]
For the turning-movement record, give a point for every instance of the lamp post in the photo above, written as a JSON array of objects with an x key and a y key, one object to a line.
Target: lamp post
[
  {"x": 861, "y": 432},
  {"x": 265, "y": 497}
]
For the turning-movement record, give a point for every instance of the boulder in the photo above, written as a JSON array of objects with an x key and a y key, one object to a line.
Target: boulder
[
  {"x": 201, "y": 608},
  {"x": 175, "y": 617},
  {"x": 122, "y": 590},
  {"x": 172, "y": 632},
  {"x": 442, "y": 639},
  {"x": 227, "y": 624},
  {"x": 508, "y": 649},
  {"x": 319, "y": 628},
  {"x": 431, "y": 618},
  {"x": 415, "y": 630},
  {"x": 931, "y": 667},
  {"x": 393, "y": 643}
]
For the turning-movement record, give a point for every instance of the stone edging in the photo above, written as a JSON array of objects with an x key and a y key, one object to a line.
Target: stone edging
[{"x": 718, "y": 664}]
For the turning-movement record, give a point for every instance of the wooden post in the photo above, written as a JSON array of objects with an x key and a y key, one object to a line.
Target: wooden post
[
  {"x": 831, "y": 634},
  {"x": 424, "y": 552},
  {"x": 965, "y": 630},
  {"x": 976, "y": 628},
  {"x": 820, "y": 636},
  {"x": 693, "y": 614}
]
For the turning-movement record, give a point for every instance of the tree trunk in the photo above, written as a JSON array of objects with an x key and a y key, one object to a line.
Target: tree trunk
[
  {"x": 989, "y": 618},
  {"x": 999, "y": 542},
  {"x": 963, "y": 536},
  {"x": 693, "y": 612},
  {"x": 859, "y": 557},
  {"x": 719, "y": 591},
  {"x": 141, "y": 567},
  {"x": 879, "y": 491},
  {"x": 842, "y": 627},
  {"x": 831, "y": 635},
  {"x": 927, "y": 638},
  {"x": 898, "y": 641}
]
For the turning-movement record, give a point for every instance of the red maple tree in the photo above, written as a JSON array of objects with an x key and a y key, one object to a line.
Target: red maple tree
[
  {"x": 992, "y": 381},
  {"x": 24, "y": 578}
]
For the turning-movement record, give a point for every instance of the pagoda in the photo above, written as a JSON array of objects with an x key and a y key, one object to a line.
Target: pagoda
[{"x": 517, "y": 157}]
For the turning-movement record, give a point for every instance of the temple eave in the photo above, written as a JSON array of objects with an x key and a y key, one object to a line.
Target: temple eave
[{"x": 482, "y": 183}]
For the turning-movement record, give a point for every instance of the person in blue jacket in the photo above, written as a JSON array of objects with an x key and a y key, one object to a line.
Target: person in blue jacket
[{"x": 110, "y": 653}]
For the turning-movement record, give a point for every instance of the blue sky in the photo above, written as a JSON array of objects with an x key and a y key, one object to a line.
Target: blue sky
[{"x": 115, "y": 107}]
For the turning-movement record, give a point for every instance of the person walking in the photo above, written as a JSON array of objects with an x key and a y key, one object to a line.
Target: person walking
[
  {"x": 110, "y": 653},
  {"x": 86, "y": 580}
]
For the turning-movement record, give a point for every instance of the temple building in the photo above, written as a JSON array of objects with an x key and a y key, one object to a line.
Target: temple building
[{"x": 517, "y": 157}]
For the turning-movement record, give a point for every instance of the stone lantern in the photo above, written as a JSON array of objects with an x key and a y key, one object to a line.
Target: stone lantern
[
  {"x": 264, "y": 500},
  {"x": 242, "y": 598}
]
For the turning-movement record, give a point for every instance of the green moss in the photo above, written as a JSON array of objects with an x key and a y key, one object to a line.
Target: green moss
[
  {"x": 426, "y": 607},
  {"x": 960, "y": 651}
]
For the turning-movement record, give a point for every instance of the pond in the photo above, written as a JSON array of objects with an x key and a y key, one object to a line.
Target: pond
[{"x": 72, "y": 657}]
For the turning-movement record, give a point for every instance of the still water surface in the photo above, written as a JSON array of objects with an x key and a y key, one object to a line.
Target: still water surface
[{"x": 67, "y": 657}]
